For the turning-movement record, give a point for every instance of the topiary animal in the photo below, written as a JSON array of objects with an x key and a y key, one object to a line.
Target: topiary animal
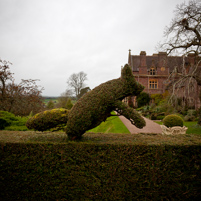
[
  {"x": 96, "y": 105},
  {"x": 173, "y": 120},
  {"x": 48, "y": 119}
]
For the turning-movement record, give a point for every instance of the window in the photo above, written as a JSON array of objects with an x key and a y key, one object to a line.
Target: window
[
  {"x": 152, "y": 71},
  {"x": 153, "y": 84}
]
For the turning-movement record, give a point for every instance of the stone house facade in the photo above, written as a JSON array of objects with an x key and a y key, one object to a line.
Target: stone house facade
[{"x": 153, "y": 72}]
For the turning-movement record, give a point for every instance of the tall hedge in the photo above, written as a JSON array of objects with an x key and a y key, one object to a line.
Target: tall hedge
[
  {"x": 95, "y": 106},
  {"x": 83, "y": 171}
]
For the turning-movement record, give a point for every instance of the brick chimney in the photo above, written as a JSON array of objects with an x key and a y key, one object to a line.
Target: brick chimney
[
  {"x": 162, "y": 57},
  {"x": 129, "y": 58},
  {"x": 143, "y": 64}
]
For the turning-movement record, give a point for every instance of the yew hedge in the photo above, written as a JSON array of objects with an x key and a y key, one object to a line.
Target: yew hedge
[{"x": 81, "y": 171}]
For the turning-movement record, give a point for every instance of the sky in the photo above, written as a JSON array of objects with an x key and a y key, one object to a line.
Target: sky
[{"x": 50, "y": 40}]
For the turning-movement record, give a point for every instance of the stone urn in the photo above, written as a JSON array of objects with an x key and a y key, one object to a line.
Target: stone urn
[{"x": 173, "y": 130}]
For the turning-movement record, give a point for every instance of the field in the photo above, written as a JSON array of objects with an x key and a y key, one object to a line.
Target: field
[{"x": 47, "y": 99}]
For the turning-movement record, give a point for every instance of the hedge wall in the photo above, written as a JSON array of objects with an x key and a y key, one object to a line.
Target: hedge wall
[{"x": 81, "y": 171}]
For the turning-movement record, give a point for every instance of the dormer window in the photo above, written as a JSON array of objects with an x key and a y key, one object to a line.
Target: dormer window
[{"x": 152, "y": 71}]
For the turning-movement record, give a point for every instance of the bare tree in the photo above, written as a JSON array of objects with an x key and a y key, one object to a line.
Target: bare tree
[
  {"x": 183, "y": 37},
  {"x": 76, "y": 81},
  {"x": 183, "y": 34},
  {"x": 22, "y": 98},
  {"x": 5, "y": 75}
]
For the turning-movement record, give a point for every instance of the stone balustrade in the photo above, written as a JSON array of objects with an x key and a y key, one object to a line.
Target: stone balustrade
[{"x": 173, "y": 130}]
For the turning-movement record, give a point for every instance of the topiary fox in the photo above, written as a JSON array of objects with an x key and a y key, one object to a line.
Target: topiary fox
[{"x": 95, "y": 106}]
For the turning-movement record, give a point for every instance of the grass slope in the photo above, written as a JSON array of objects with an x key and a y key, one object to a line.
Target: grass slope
[{"x": 112, "y": 125}]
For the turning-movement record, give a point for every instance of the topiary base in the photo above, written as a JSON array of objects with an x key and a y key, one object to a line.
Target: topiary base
[{"x": 173, "y": 130}]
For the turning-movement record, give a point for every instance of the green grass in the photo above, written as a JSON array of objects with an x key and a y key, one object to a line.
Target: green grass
[
  {"x": 193, "y": 127},
  {"x": 112, "y": 125}
]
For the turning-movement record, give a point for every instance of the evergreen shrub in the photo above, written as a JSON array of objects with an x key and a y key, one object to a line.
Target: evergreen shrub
[
  {"x": 143, "y": 99},
  {"x": 6, "y": 119},
  {"x": 3, "y": 123},
  {"x": 69, "y": 104},
  {"x": 173, "y": 120},
  {"x": 96, "y": 105},
  {"x": 48, "y": 119},
  {"x": 157, "y": 98},
  {"x": 8, "y": 116},
  {"x": 9, "y": 121}
]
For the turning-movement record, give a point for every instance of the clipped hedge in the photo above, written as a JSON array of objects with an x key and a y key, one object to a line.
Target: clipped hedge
[
  {"x": 80, "y": 171},
  {"x": 173, "y": 120},
  {"x": 48, "y": 119},
  {"x": 96, "y": 105}
]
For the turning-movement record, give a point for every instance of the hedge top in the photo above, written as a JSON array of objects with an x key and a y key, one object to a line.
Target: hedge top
[{"x": 95, "y": 106}]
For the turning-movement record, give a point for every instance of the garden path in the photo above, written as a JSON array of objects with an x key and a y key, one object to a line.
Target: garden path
[{"x": 151, "y": 126}]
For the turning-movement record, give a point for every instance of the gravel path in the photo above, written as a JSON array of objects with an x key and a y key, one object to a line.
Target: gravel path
[{"x": 151, "y": 126}]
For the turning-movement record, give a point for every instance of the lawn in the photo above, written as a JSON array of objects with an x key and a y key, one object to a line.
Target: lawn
[{"x": 112, "y": 125}]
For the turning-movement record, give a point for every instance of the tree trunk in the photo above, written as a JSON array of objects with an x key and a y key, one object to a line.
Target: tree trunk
[{"x": 199, "y": 111}]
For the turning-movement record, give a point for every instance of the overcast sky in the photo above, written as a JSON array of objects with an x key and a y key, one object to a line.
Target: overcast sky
[{"x": 52, "y": 39}]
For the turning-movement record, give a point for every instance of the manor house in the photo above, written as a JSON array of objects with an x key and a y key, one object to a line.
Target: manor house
[{"x": 153, "y": 71}]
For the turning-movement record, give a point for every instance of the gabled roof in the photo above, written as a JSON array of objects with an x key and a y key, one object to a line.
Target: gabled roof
[{"x": 153, "y": 61}]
